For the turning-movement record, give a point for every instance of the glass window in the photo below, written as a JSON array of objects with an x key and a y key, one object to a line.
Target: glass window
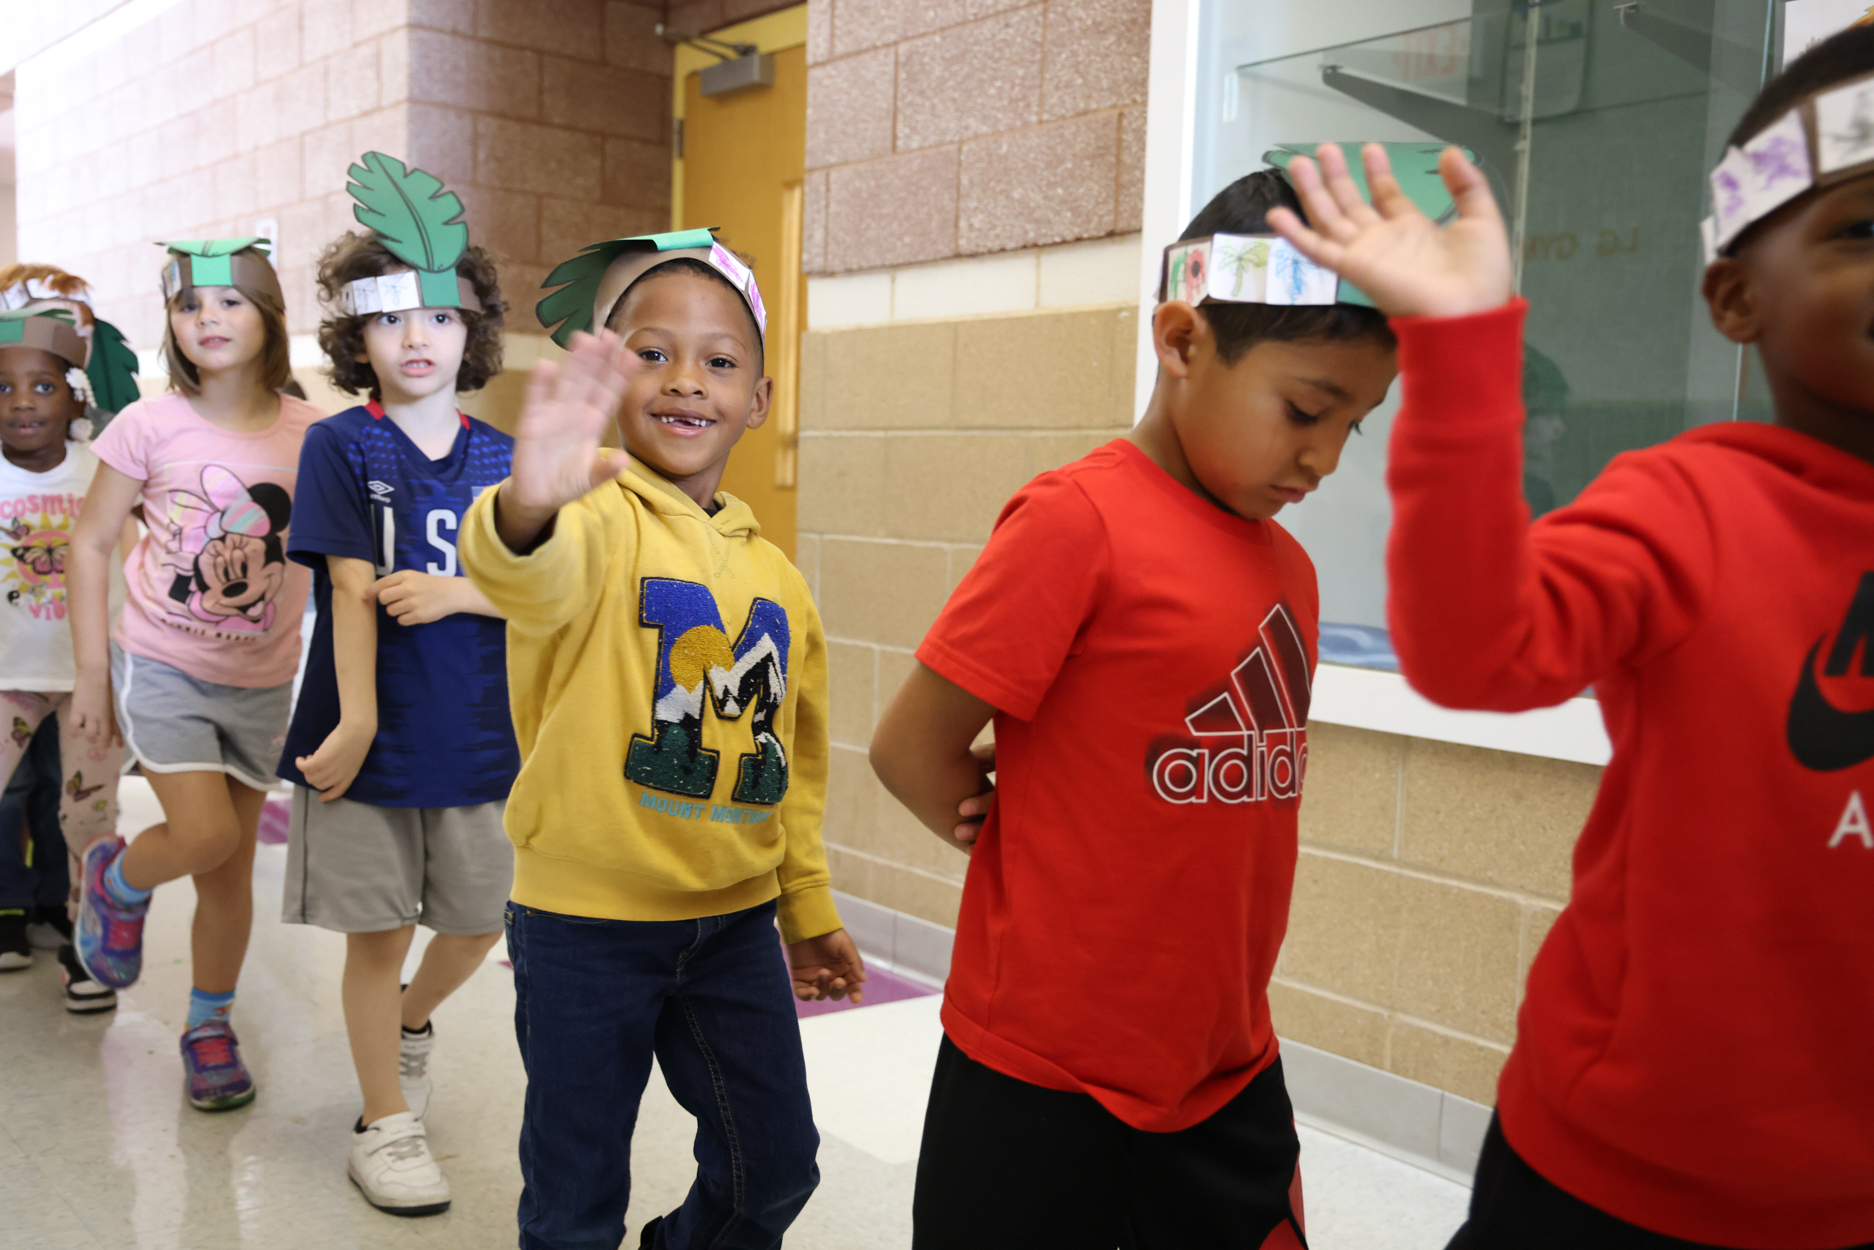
[{"x": 1596, "y": 134}]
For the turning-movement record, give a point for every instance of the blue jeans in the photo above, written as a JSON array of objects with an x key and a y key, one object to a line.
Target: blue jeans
[
  {"x": 593, "y": 1001},
  {"x": 30, "y": 807}
]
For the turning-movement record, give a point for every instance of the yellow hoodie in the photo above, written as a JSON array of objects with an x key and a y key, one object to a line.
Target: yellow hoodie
[{"x": 667, "y": 672}]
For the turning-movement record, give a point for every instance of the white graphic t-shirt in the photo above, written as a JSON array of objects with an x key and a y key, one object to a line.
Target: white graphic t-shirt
[{"x": 37, "y": 512}]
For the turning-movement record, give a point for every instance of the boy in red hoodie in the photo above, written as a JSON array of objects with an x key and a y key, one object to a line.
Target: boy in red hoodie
[{"x": 1691, "y": 1064}]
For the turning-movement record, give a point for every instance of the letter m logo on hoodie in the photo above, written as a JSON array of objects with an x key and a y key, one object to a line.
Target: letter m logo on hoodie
[{"x": 696, "y": 663}]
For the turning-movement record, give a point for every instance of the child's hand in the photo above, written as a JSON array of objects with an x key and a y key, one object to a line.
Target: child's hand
[
  {"x": 1407, "y": 264},
  {"x": 93, "y": 718},
  {"x": 557, "y": 457},
  {"x": 334, "y": 766},
  {"x": 414, "y": 598},
  {"x": 827, "y": 966},
  {"x": 971, "y": 812}
]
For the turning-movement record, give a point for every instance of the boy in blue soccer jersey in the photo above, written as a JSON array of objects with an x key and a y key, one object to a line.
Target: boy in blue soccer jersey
[{"x": 401, "y": 749}]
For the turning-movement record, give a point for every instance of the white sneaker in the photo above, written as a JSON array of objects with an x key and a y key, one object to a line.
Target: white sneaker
[
  {"x": 391, "y": 1165},
  {"x": 413, "y": 1069}
]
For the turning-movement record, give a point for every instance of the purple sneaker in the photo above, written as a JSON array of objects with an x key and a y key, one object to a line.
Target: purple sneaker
[
  {"x": 110, "y": 933},
  {"x": 211, "y": 1056}
]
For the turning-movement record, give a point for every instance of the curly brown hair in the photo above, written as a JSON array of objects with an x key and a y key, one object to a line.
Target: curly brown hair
[{"x": 341, "y": 336}]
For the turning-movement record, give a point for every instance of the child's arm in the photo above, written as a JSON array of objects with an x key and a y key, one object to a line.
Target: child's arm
[
  {"x": 922, "y": 752},
  {"x": 334, "y": 766},
  {"x": 1486, "y": 611},
  {"x": 414, "y": 598},
  {"x": 821, "y": 957},
  {"x": 88, "y": 586},
  {"x": 507, "y": 543}
]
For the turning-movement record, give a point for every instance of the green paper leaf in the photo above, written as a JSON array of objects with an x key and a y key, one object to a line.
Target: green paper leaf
[
  {"x": 410, "y": 212},
  {"x": 218, "y": 247},
  {"x": 113, "y": 368},
  {"x": 21, "y": 314},
  {"x": 570, "y": 307}
]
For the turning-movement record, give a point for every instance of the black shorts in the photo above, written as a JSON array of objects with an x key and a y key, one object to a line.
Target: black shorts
[
  {"x": 1514, "y": 1208},
  {"x": 1006, "y": 1164}
]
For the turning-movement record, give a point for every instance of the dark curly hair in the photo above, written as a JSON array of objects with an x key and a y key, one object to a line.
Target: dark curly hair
[{"x": 341, "y": 336}]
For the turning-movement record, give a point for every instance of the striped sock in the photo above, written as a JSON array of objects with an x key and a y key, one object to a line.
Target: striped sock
[{"x": 204, "y": 1007}]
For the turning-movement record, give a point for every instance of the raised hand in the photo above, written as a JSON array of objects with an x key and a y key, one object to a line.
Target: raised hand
[
  {"x": 1406, "y": 263},
  {"x": 557, "y": 457}
]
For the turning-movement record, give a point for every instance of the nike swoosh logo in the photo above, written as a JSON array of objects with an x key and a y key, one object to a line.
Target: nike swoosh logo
[{"x": 1821, "y": 735}]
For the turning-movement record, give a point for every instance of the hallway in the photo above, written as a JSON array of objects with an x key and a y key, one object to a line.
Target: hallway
[{"x": 98, "y": 1149}]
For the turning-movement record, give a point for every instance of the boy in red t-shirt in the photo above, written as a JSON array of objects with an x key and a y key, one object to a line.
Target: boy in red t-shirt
[
  {"x": 1691, "y": 1064},
  {"x": 1143, "y": 635}
]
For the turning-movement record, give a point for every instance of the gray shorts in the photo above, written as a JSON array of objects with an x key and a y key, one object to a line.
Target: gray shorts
[
  {"x": 173, "y": 723},
  {"x": 361, "y": 868}
]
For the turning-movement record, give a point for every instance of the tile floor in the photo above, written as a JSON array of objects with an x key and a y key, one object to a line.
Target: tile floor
[{"x": 98, "y": 1149}]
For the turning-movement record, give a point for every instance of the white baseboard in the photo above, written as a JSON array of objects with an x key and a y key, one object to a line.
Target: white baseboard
[{"x": 1413, "y": 1123}]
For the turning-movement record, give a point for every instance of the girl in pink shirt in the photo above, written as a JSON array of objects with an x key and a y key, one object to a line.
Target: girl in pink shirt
[{"x": 202, "y": 659}]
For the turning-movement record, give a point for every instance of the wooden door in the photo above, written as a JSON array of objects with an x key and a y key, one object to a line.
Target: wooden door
[{"x": 744, "y": 158}]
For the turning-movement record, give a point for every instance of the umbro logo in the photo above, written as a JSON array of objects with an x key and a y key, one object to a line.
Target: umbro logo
[
  {"x": 380, "y": 491},
  {"x": 1822, "y": 736}
]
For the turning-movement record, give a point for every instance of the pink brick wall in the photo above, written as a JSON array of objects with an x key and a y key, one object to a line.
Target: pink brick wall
[
  {"x": 551, "y": 118},
  {"x": 940, "y": 128}
]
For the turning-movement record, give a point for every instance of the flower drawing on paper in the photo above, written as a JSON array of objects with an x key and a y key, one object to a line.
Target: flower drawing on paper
[
  {"x": 1238, "y": 259},
  {"x": 1853, "y": 141},
  {"x": 1779, "y": 158},
  {"x": 1730, "y": 191}
]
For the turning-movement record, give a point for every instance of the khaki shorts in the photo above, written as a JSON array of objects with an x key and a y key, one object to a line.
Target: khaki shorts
[{"x": 361, "y": 868}]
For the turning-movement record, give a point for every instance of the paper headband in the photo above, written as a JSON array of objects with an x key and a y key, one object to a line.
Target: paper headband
[
  {"x": 591, "y": 283},
  {"x": 1266, "y": 269},
  {"x": 220, "y": 262},
  {"x": 420, "y": 224},
  {"x": 1244, "y": 269},
  {"x": 23, "y": 293},
  {"x": 48, "y": 329},
  {"x": 1826, "y": 139}
]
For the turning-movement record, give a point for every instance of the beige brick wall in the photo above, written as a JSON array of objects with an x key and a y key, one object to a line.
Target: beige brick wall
[
  {"x": 551, "y": 119},
  {"x": 1429, "y": 875},
  {"x": 942, "y": 128},
  {"x": 911, "y": 441}
]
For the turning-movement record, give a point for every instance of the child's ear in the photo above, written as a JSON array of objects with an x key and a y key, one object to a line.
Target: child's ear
[
  {"x": 1176, "y": 328},
  {"x": 1727, "y": 291},
  {"x": 764, "y": 399}
]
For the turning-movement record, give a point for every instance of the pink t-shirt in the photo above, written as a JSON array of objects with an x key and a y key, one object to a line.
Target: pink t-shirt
[{"x": 211, "y": 591}]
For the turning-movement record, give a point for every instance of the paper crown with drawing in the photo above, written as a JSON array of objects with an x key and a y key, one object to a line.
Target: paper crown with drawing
[
  {"x": 591, "y": 283},
  {"x": 1266, "y": 269},
  {"x": 240, "y": 263},
  {"x": 110, "y": 366},
  {"x": 1825, "y": 139},
  {"x": 418, "y": 222}
]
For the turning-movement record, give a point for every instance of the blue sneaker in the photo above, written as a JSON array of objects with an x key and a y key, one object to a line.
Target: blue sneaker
[
  {"x": 211, "y": 1058},
  {"x": 110, "y": 933}
]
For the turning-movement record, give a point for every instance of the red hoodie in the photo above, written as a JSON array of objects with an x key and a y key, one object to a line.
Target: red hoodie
[{"x": 1695, "y": 1053}]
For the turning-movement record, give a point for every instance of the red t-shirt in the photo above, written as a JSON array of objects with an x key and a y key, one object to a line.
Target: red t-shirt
[
  {"x": 1693, "y": 1054},
  {"x": 1150, "y": 657}
]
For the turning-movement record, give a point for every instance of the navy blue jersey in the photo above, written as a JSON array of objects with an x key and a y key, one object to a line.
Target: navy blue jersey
[{"x": 445, "y": 737}]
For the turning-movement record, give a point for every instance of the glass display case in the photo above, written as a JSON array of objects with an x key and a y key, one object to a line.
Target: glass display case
[{"x": 1596, "y": 123}]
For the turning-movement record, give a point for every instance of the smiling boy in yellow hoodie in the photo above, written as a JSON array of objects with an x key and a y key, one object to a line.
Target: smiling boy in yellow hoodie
[{"x": 668, "y": 677}]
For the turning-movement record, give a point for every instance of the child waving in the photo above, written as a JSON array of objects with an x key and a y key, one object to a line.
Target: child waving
[{"x": 1690, "y": 1063}]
